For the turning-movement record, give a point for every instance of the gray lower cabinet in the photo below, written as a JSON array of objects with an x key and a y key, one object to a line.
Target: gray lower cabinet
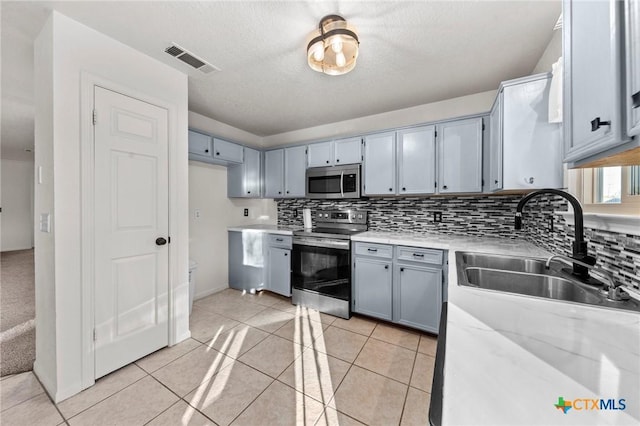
[
  {"x": 246, "y": 260},
  {"x": 279, "y": 271},
  {"x": 401, "y": 284},
  {"x": 417, "y": 296},
  {"x": 372, "y": 287}
]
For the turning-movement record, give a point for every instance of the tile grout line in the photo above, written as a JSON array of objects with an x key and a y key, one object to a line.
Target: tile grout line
[
  {"x": 64, "y": 419},
  {"x": 413, "y": 367}
]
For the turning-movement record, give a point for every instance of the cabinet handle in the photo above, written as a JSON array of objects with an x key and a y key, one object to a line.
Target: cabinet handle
[
  {"x": 390, "y": 189},
  {"x": 495, "y": 181},
  {"x": 635, "y": 100},
  {"x": 337, "y": 160},
  {"x": 279, "y": 192},
  {"x": 286, "y": 254},
  {"x": 444, "y": 186},
  {"x": 596, "y": 124},
  {"x": 287, "y": 192},
  {"x": 279, "y": 239},
  {"x": 327, "y": 161},
  {"x": 401, "y": 269},
  {"x": 206, "y": 150},
  {"x": 372, "y": 250},
  {"x": 248, "y": 192},
  {"x": 529, "y": 180},
  {"x": 418, "y": 255},
  {"x": 386, "y": 266},
  {"x": 404, "y": 189},
  {"x": 217, "y": 153}
]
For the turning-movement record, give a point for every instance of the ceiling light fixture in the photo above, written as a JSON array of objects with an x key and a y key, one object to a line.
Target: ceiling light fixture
[{"x": 333, "y": 49}]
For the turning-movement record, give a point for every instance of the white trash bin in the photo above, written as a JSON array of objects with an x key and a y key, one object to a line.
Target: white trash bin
[{"x": 193, "y": 265}]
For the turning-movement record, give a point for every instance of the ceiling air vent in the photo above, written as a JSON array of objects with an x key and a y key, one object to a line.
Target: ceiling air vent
[{"x": 188, "y": 58}]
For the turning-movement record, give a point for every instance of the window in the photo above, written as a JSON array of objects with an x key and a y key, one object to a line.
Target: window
[{"x": 612, "y": 190}]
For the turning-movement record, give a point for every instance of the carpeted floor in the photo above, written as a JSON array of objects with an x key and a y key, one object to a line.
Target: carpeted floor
[{"x": 17, "y": 312}]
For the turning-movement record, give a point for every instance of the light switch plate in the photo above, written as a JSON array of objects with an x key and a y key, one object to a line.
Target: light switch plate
[{"x": 45, "y": 222}]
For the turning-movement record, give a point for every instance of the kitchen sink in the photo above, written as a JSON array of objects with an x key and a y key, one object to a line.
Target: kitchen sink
[
  {"x": 530, "y": 277},
  {"x": 529, "y": 285},
  {"x": 505, "y": 263}
]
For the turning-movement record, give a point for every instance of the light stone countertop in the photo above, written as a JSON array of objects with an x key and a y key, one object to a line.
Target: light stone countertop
[
  {"x": 270, "y": 229},
  {"x": 509, "y": 357}
]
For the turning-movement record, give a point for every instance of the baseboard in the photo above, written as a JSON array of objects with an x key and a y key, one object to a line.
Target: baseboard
[
  {"x": 206, "y": 293},
  {"x": 45, "y": 380}
]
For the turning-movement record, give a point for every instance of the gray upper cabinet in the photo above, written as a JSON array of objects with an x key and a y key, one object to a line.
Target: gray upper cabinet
[
  {"x": 244, "y": 180},
  {"x": 295, "y": 160},
  {"x": 632, "y": 48},
  {"x": 227, "y": 151},
  {"x": 460, "y": 156},
  {"x": 274, "y": 173},
  {"x": 200, "y": 144},
  {"x": 416, "y": 160},
  {"x": 347, "y": 151},
  {"x": 495, "y": 145},
  {"x": 380, "y": 164},
  {"x": 593, "y": 78},
  {"x": 526, "y": 150},
  {"x": 320, "y": 154}
]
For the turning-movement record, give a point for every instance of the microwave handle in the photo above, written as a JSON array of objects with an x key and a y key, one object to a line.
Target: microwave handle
[{"x": 342, "y": 183}]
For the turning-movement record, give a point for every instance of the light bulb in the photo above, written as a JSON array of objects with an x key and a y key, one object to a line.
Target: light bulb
[
  {"x": 318, "y": 53},
  {"x": 340, "y": 60},
  {"x": 336, "y": 45}
]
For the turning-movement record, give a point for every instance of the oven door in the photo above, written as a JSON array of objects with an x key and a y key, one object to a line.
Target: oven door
[{"x": 322, "y": 266}]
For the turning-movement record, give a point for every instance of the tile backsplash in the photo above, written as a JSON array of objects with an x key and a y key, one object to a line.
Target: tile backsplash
[{"x": 485, "y": 216}]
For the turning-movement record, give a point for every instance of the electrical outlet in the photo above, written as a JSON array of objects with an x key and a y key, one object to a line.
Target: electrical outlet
[
  {"x": 246, "y": 212},
  {"x": 196, "y": 213},
  {"x": 295, "y": 212},
  {"x": 437, "y": 216},
  {"x": 551, "y": 223}
]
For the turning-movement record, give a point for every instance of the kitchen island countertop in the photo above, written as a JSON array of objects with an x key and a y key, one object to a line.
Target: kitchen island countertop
[{"x": 508, "y": 358}]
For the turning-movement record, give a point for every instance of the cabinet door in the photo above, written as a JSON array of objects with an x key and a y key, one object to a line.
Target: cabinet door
[
  {"x": 274, "y": 173},
  {"x": 252, "y": 173},
  {"x": 372, "y": 288},
  {"x": 295, "y": 161},
  {"x": 348, "y": 151},
  {"x": 380, "y": 164},
  {"x": 200, "y": 144},
  {"x": 632, "y": 26},
  {"x": 320, "y": 154},
  {"x": 227, "y": 151},
  {"x": 460, "y": 156},
  {"x": 593, "y": 77},
  {"x": 495, "y": 145},
  {"x": 417, "y": 161},
  {"x": 531, "y": 146},
  {"x": 279, "y": 271},
  {"x": 417, "y": 297}
]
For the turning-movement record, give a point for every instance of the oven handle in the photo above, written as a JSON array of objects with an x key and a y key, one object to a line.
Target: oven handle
[
  {"x": 342, "y": 184},
  {"x": 340, "y": 245}
]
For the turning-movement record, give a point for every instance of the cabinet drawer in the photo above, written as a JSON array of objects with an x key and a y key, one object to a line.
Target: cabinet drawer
[
  {"x": 376, "y": 250},
  {"x": 227, "y": 151},
  {"x": 421, "y": 255},
  {"x": 276, "y": 240}
]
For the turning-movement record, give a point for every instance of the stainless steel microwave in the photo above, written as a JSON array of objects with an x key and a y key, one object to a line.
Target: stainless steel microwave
[{"x": 333, "y": 182}]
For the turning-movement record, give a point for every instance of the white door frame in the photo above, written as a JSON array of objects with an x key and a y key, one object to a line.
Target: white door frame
[{"x": 87, "y": 152}]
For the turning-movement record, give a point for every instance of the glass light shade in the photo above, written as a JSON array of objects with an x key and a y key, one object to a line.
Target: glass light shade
[{"x": 333, "y": 49}]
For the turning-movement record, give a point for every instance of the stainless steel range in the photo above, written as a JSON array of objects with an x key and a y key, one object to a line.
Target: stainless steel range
[{"x": 321, "y": 261}]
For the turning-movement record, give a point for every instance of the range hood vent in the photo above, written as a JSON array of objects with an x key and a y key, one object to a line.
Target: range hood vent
[{"x": 190, "y": 59}]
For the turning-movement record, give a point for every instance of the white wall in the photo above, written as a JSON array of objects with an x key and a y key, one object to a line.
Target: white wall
[
  {"x": 550, "y": 54},
  {"x": 450, "y": 108},
  {"x": 17, "y": 205},
  {"x": 64, "y": 51}
]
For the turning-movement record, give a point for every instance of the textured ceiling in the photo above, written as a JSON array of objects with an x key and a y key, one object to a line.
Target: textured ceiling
[{"x": 411, "y": 52}]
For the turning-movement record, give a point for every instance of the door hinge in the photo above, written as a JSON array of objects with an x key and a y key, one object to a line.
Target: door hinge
[
  {"x": 169, "y": 240},
  {"x": 435, "y": 134},
  {"x": 435, "y": 184},
  {"x": 482, "y": 126},
  {"x": 94, "y": 335},
  {"x": 94, "y": 117}
]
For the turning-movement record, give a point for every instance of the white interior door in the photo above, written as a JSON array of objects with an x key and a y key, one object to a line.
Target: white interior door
[{"x": 131, "y": 212}]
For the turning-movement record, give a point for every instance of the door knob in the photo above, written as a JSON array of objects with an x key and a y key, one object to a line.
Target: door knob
[
  {"x": 161, "y": 241},
  {"x": 596, "y": 124}
]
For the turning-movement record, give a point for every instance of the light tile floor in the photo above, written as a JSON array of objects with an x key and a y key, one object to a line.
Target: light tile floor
[{"x": 252, "y": 360}]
